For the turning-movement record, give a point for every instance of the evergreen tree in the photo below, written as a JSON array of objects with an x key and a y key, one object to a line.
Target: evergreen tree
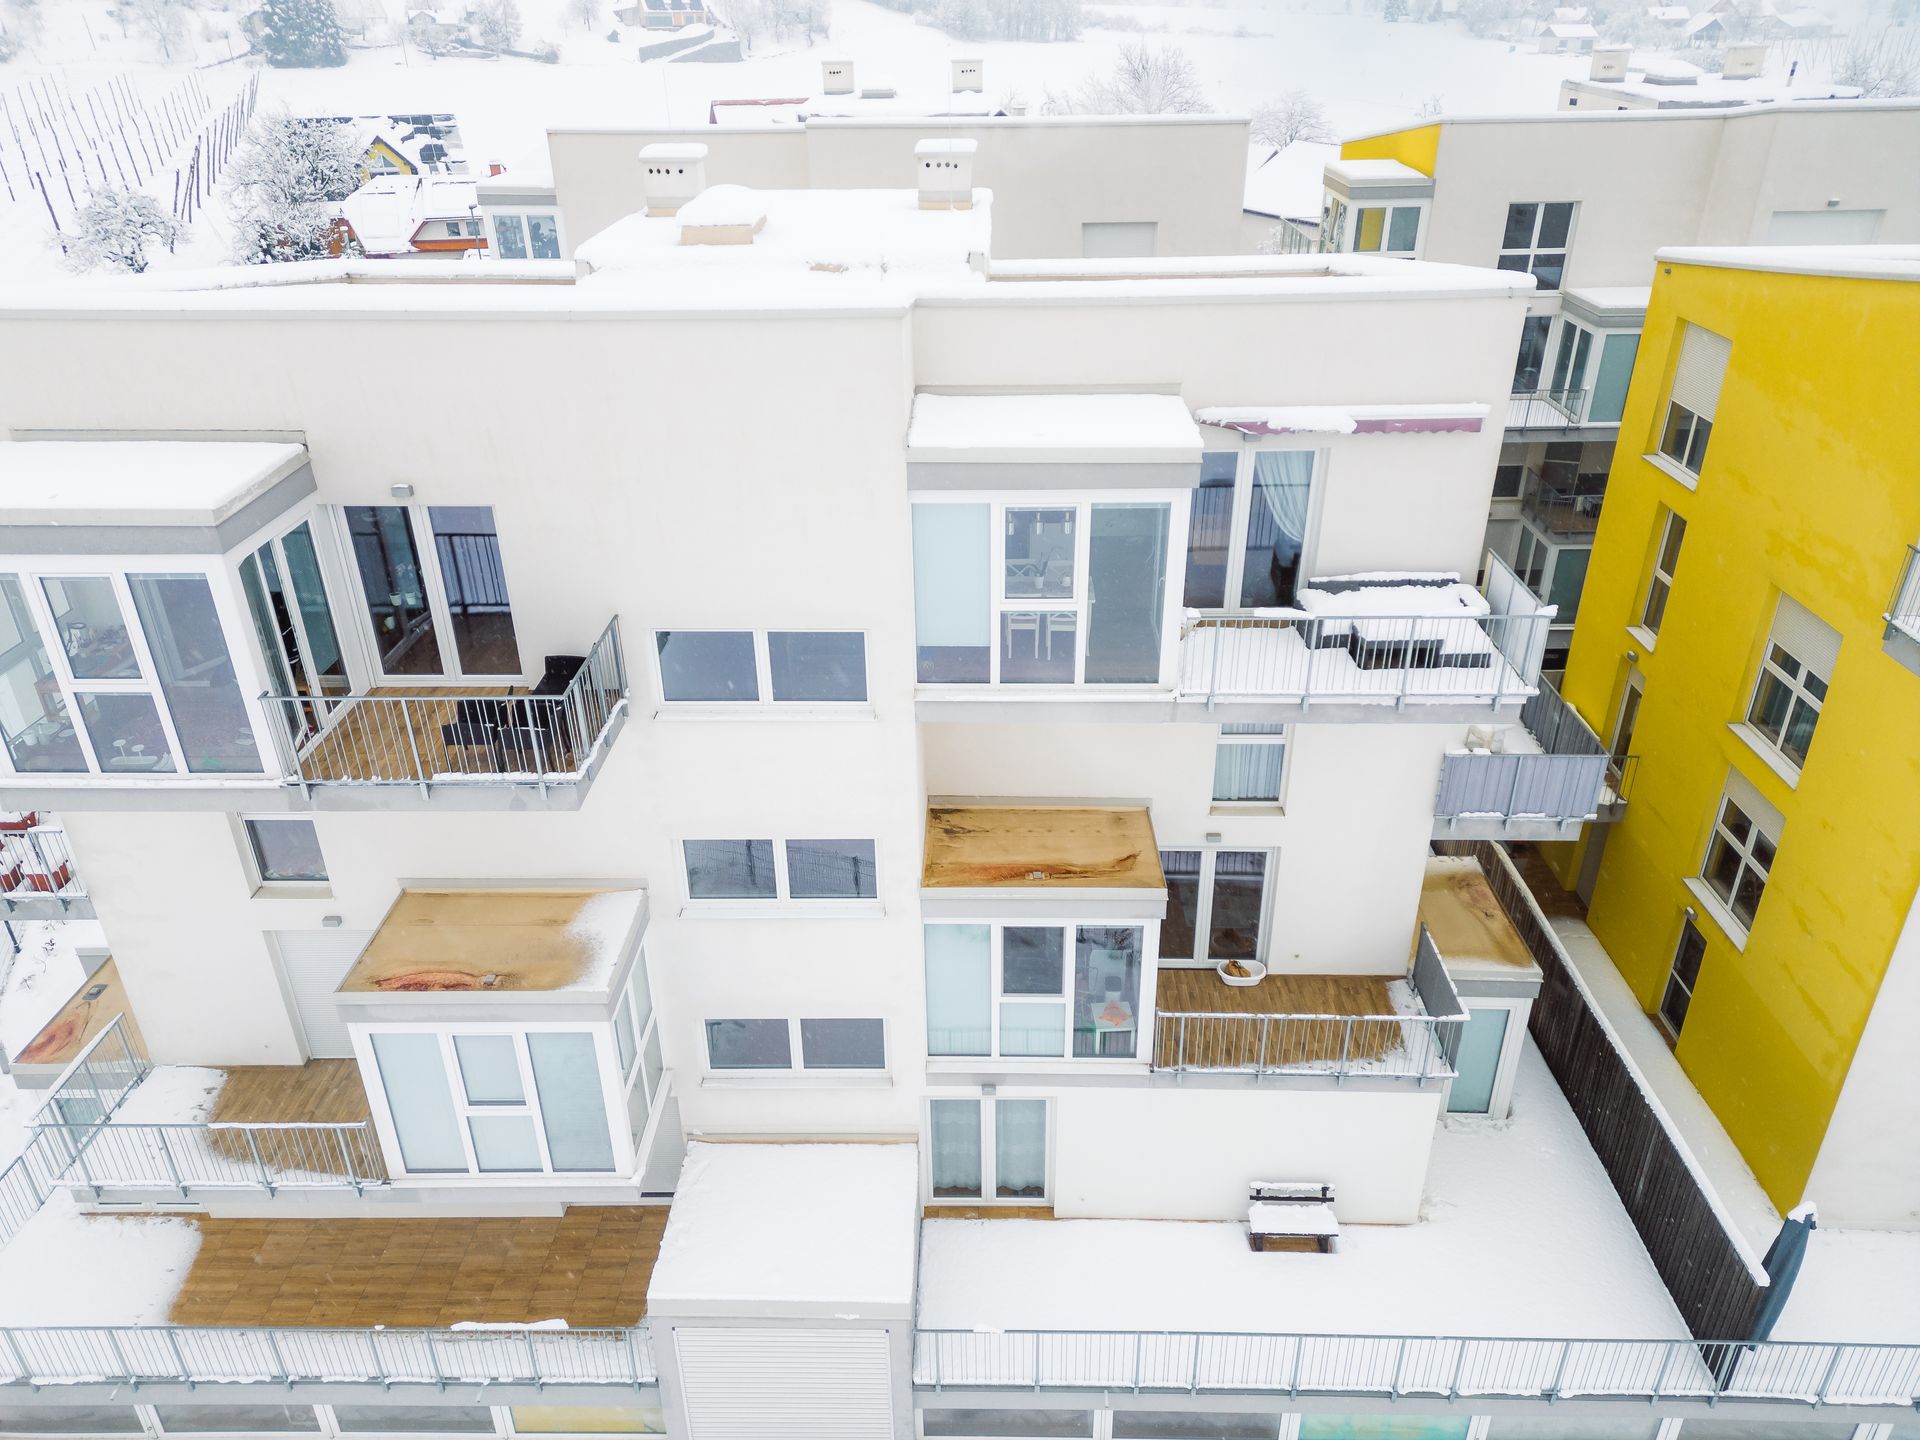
[{"x": 301, "y": 33}]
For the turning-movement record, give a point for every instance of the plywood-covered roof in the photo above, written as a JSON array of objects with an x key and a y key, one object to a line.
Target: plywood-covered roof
[
  {"x": 496, "y": 941},
  {"x": 1040, "y": 846}
]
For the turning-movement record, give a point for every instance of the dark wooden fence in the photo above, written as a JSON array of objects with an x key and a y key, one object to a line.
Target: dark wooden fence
[{"x": 1700, "y": 1261}]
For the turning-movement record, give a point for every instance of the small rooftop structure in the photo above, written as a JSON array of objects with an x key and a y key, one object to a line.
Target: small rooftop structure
[
  {"x": 1470, "y": 929},
  {"x": 791, "y": 1231},
  {"x": 1140, "y": 428},
  {"x": 1286, "y": 183},
  {"x": 402, "y": 214},
  {"x": 498, "y": 941},
  {"x": 120, "y": 483},
  {"x": 1040, "y": 847}
]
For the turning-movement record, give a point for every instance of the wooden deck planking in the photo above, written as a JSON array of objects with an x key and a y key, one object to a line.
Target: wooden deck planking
[
  {"x": 986, "y": 1212},
  {"x": 589, "y": 1267},
  {"x": 377, "y": 738},
  {"x": 1234, "y": 1044},
  {"x": 320, "y": 1091}
]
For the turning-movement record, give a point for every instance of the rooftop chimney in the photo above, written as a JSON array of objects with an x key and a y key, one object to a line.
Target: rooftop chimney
[
  {"x": 969, "y": 75},
  {"x": 836, "y": 77},
  {"x": 1610, "y": 64},
  {"x": 674, "y": 174},
  {"x": 1744, "y": 62},
  {"x": 724, "y": 215},
  {"x": 946, "y": 173}
]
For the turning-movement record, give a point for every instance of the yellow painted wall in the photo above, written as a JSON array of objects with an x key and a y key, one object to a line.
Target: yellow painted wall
[
  {"x": 1417, "y": 148},
  {"x": 1811, "y": 486}
]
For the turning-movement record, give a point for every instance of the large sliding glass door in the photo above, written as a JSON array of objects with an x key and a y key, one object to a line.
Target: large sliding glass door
[
  {"x": 294, "y": 622},
  {"x": 1216, "y": 905},
  {"x": 1249, "y": 534},
  {"x": 988, "y": 1149},
  {"x": 434, "y": 609}
]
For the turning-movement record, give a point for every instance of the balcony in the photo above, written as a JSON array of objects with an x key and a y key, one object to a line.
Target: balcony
[
  {"x": 1549, "y": 776},
  {"x": 1568, "y": 509},
  {"x": 1338, "y": 1027},
  {"x": 1903, "y": 613},
  {"x": 479, "y": 747},
  {"x": 38, "y": 880},
  {"x": 1550, "y": 412}
]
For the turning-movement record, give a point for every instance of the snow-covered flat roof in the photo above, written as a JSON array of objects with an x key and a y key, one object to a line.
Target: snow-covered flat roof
[
  {"x": 1377, "y": 172},
  {"x": 137, "y": 482},
  {"x": 1058, "y": 427},
  {"x": 790, "y": 1230},
  {"x": 1287, "y": 183},
  {"x": 1814, "y": 101},
  {"x": 498, "y": 942},
  {"x": 387, "y": 210},
  {"x": 1521, "y": 1234},
  {"x": 1858, "y": 262},
  {"x": 1856, "y": 1285}
]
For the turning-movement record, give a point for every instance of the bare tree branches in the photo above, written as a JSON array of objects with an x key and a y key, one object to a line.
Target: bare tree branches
[{"x": 1144, "y": 80}]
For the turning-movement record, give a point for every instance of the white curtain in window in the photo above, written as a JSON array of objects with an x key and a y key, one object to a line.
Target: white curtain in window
[
  {"x": 1247, "y": 772},
  {"x": 1283, "y": 485}
]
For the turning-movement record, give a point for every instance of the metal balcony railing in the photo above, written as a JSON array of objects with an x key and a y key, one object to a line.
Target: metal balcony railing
[
  {"x": 1903, "y": 611},
  {"x": 184, "y": 1158},
  {"x": 36, "y": 864},
  {"x": 1804, "y": 1374},
  {"x": 1547, "y": 409},
  {"x": 157, "y": 1354},
  {"x": 484, "y": 737},
  {"x": 1280, "y": 655},
  {"x": 1568, "y": 781},
  {"x": 1559, "y": 508}
]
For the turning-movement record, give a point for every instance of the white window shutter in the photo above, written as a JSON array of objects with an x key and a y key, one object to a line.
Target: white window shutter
[
  {"x": 1702, "y": 368},
  {"x": 1806, "y": 637}
]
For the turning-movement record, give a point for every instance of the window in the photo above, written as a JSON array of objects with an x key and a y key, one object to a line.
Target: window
[
  {"x": 416, "y": 596},
  {"x": 1506, "y": 480},
  {"x": 979, "y": 1149},
  {"x": 1194, "y": 1425},
  {"x": 1215, "y": 901},
  {"x": 1033, "y": 991},
  {"x": 1800, "y": 656},
  {"x": 1610, "y": 377},
  {"x": 780, "y": 869},
  {"x": 90, "y": 628},
  {"x": 293, "y": 622},
  {"x": 1045, "y": 1424},
  {"x": 1683, "y": 978},
  {"x": 520, "y": 237},
  {"x": 820, "y": 1044},
  {"x": 91, "y": 1420},
  {"x": 241, "y": 1419},
  {"x": 413, "y": 1419},
  {"x": 1695, "y": 397},
  {"x": 286, "y": 850},
  {"x": 1074, "y": 592},
  {"x": 543, "y": 236},
  {"x": 1532, "y": 358},
  {"x": 1570, "y": 367},
  {"x": 1666, "y": 564},
  {"x": 1117, "y": 239},
  {"x": 1387, "y": 229},
  {"x": 1248, "y": 534},
  {"x": 745, "y": 666},
  {"x": 1534, "y": 241},
  {"x": 1623, "y": 727},
  {"x": 1248, "y": 763},
  {"x": 1739, "y": 857},
  {"x": 509, "y": 237},
  {"x": 197, "y": 680},
  {"x": 37, "y": 725}
]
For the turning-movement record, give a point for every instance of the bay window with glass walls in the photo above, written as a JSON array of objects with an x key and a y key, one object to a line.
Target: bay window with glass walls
[
  {"x": 1046, "y": 589},
  {"x": 122, "y": 669},
  {"x": 1038, "y": 990}
]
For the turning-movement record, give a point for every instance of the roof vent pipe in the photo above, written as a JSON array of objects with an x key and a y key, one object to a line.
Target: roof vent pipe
[
  {"x": 945, "y": 169},
  {"x": 673, "y": 175}
]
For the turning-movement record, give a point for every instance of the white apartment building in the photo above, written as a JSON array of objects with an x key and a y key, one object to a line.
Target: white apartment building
[
  {"x": 1581, "y": 200},
  {"x": 805, "y": 748}
]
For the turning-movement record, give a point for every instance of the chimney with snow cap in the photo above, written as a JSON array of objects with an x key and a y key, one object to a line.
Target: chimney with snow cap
[
  {"x": 674, "y": 174},
  {"x": 946, "y": 173},
  {"x": 724, "y": 215},
  {"x": 969, "y": 75},
  {"x": 836, "y": 77},
  {"x": 1744, "y": 62},
  {"x": 1610, "y": 63}
]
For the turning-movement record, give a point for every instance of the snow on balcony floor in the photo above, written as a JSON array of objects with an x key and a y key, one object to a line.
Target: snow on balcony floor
[
  {"x": 1261, "y": 660},
  {"x": 1856, "y": 1285},
  {"x": 65, "y": 1268},
  {"x": 1521, "y": 1235}
]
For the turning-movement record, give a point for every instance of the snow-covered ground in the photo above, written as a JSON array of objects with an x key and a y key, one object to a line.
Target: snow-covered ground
[
  {"x": 1367, "y": 74},
  {"x": 1856, "y": 1285},
  {"x": 1520, "y": 1234}
]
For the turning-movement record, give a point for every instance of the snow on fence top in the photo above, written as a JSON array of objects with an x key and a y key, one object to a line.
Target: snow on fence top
[
  {"x": 791, "y": 1230},
  {"x": 1053, "y": 427}
]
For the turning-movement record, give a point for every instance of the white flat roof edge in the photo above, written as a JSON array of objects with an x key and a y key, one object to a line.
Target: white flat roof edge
[
  {"x": 1590, "y": 117},
  {"x": 907, "y": 122},
  {"x": 1835, "y": 262}
]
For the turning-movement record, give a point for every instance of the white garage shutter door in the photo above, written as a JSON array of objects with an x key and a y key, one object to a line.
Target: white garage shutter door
[
  {"x": 315, "y": 961},
  {"x": 793, "y": 1384}
]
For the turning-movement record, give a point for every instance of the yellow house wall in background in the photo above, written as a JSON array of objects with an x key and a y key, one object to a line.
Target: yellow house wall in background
[{"x": 1417, "y": 148}]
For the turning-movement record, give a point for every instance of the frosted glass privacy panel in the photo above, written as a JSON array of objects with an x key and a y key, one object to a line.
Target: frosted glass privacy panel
[{"x": 573, "y": 1109}]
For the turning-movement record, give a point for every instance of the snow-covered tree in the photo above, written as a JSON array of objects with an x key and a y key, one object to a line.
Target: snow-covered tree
[
  {"x": 496, "y": 24},
  {"x": 1883, "y": 65},
  {"x": 1008, "y": 19},
  {"x": 301, "y": 33},
  {"x": 1144, "y": 80},
  {"x": 115, "y": 228},
  {"x": 755, "y": 20},
  {"x": 285, "y": 185},
  {"x": 585, "y": 13},
  {"x": 1296, "y": 115},
  {"x": 1393, "y": 10},
  {"x": 162, "y": 21}
]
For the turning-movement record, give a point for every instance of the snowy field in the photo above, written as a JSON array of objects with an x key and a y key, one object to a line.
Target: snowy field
[{"x": 1366, "y": 74}]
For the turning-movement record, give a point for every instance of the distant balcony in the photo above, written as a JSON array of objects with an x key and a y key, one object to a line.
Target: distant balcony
[
  {"x": 1552, "y": 776},
  {"x": 1903, "y": 613},
  {"x": 1562, "y": 508},
  {"x": 1337, "y": 1027},
  {"x": 1550, "y": 410},
  {"x": 38, "y": 880},
  {"x": 400, "y": 744}
]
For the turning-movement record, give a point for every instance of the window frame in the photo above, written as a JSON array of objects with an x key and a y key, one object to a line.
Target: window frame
[
  {"x": 989, "y": 1149},
  {"x": 1693, "y": 427},
  {"x": 1719, "y": 834},
  {"x": 1532, "y": 253},
  {"x": 1675, "y": 529},
  {"x": 1240, "y": 518},
  {"x": 301, "y": 677},
  {"x": 1178, "y": 505},
  {"x": 764, "y": 700},
  {"x": 256, "y": 870},
  {"x": 1798, "y": 695},
  {"x": 783, "y": 901},
  {"x": 797, "y": 1067},
  {"x": 1203, "y": 906},
  {"x": 524, "y": 214},
  {"x": 1272, "y": 737},
  {"x": 1665, "y": 1021},
  {"x": 1357, "y": 207}
]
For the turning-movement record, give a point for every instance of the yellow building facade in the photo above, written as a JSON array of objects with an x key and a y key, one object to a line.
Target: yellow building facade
[{"x": 1748, "y": 657}]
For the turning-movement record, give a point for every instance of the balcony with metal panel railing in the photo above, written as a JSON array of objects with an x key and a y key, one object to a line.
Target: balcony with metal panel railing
[
  {"x": 38, "y": 879},
  {"x": 1539, "y": 780},
  {"x": 1903, "y": 613},
  {"x": 399, "y": 745},
  {"x": 1568, "y": 508},
  {"x": 1547, "y": 410}
]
